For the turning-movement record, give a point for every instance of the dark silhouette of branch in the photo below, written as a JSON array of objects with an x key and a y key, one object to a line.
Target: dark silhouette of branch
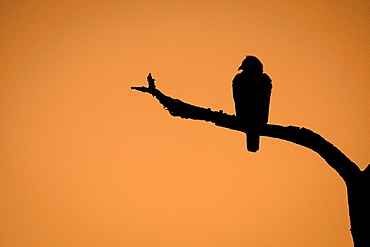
[
  {"x": 357, "y": 181},
  {"x": 301, "y": 136}
]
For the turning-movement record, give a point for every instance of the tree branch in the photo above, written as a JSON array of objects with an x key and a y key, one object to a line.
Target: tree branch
[{"x": 301, "y": 136}]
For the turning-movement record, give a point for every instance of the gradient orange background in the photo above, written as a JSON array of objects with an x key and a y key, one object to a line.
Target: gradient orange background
[{"x": 85, "y": 161}]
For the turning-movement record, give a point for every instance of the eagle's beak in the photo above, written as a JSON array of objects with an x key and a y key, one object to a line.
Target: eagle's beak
[{"x": 240, "y": 68}]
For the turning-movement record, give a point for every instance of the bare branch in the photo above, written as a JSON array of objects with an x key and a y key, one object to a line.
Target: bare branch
[
  {"x": 301, "y": 136},
  {"x": 358, "y": 183}
]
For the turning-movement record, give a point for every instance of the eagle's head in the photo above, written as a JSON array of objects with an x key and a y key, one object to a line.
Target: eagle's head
[{"x": 251, "y": 64}]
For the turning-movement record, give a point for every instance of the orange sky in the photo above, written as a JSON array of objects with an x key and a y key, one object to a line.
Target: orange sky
[{"x": 85, "y": 161}]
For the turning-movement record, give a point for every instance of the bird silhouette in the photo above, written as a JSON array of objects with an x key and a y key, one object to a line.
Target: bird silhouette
[
  {"x": 251, "y": 93},
  {"x": 150, "y": 80}
]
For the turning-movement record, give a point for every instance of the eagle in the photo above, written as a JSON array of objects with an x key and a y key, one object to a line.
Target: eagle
[{"x": 251, "y": 93}]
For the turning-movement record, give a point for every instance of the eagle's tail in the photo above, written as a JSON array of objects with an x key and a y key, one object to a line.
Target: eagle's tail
[{"x": 253, "y": 142}]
